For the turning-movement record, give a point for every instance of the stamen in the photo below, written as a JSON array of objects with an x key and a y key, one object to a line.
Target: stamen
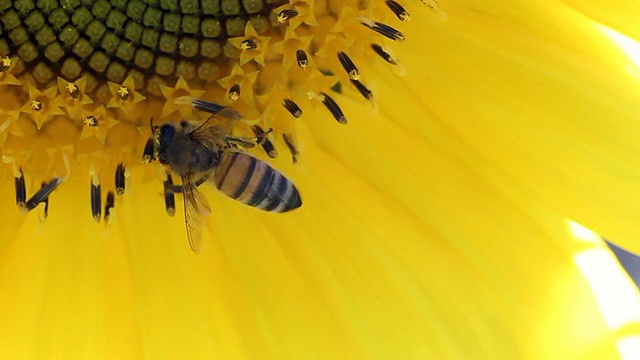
[
  {"x": 302, "y": 59},
  {"x": 260, "y": 139},
  {"x": 288, "y": 139},
  {"x": 96, "y": 199},
  {"x": 21, "y": 191},
  {"x": 286, "y": 15},
  {"x": 43, "y": 195},
  {"x": 5, "y": 64},
  {"x": 248, "y": 44},
  {"x": 148, "y": 154},
  {"x": 383, "y": 29},
  {"x": 169, "y": 198},
  {"x": 333, "y": 107},
  {"x": 364, "y": 91},
  {"x": 36, "y": 104},
  {"x": 234, "y": 92},
  {"x": 401, "y": 13},
  {"x": 90, "y": 121},
  {"x": 384, "y": 54},
  {"x": 120, "y": 183},
  {"x": 349, "y": 66},
  {"x": 433, "y": 5},
  {"x": 73, "y": 90},
  {"x": 67, "y": 166},
  {"x": 206, "y": 106},
  {"x": 123, "y": 93},
  {"x": 293, "y": 108},
  {"x": 45, "y": 211},
  {"x": 267, "y": 145},
  {"x": 109, "y": 204}
]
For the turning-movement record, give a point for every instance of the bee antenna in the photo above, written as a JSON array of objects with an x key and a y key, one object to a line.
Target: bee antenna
[{"x": 153, "y": 128}]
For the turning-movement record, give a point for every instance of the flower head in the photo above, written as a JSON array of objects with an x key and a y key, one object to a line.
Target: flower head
[{"x": 439, "y": 163}]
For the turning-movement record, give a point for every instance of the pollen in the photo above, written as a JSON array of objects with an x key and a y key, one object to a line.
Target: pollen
[
  {"x": 123, "y": 93},
  {"x": 72, "y": 90},
  {"x": 36, "y": 104},
  {"x": 90, "y": 121},
  {"x": 5, "y": 64},
  {"x": 81, "y": 80}
]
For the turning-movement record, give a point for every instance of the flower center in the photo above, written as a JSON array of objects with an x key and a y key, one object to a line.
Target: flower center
[
  {"x": 155, "y": 42},
  {"x": 80, "y": 80}
]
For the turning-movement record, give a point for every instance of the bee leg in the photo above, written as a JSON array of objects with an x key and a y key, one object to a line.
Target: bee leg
[
  {"x": 169, "y": 199},
  {"x": 245, "y": 142},
  {"x": 173, "y": 189},
  {"x": 262, "y": 137},
  {"x": 264, "y": 141}
]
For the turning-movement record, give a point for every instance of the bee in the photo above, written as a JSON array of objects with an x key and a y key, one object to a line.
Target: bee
[{"x": 209, "y": 152}]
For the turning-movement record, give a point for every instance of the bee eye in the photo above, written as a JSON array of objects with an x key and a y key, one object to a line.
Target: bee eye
[{"x": 166, "y": 134}]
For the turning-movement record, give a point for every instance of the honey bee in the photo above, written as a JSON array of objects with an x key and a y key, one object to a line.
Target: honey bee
[{"x": 209, "y": 152}]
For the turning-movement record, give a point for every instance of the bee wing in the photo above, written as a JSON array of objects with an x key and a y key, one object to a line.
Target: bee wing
[
  {"x": 195, "y": 206},
  {"x": 218, "y": 125}
]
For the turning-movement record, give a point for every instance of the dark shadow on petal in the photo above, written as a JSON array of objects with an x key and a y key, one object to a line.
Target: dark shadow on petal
[{"x": 629, "y": 261}]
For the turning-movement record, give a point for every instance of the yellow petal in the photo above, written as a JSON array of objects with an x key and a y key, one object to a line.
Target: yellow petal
[
  {"x": 548, "y": 98},
  {"x": 419, "y": 236},
  {"x": 410, "y": 254}
]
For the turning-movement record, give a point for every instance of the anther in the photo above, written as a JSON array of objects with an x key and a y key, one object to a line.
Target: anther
[
  {"x": 45, "y": 211},
  {"x": 364, "y": 91},
  {"x": 286, "y": 15},
  {"x": 169, "y": 197},
  {"x": 248, "y": 44},
  {"x": 288, "y": 139},
  {"x": 333, "y": 107},
  {"x": 400, "y": 12},
  {"x": 293, "y": 108},
  {"x": 383, "y": 29},
  {"x": 267, "y": 145},
  {"x": 42, "y": 195},
  {"x": 148, "y": 154},
  {"x": 234, "y": 92},
  {"x": 96, "y": 200},
  {"x": 90, "y": 121},
  {"x": 73, "y": 90},
  {"x": 384, "y": 54},
  {"x": 433, "y": 5},
  {"x": 36, "y": 104},
  {"x": 21, "y": 190},
  {"x": 123, "y": 93},
  {"x": 5, "y": 64},
  {"x": 302, "y": 59},
  {"x": 206, "y": 106},
  {"x": 349, "y": 66},
  {"x": 108, "y": 206},
  {"x": 119, "y": 180}
]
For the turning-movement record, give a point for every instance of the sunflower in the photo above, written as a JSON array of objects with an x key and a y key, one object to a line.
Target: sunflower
[{"x": 452, "y": 159}]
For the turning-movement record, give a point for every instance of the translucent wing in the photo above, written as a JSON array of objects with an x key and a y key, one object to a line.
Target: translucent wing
[
  {"x": 218, "y": 126},
  {"x": 195, "y": 206}
]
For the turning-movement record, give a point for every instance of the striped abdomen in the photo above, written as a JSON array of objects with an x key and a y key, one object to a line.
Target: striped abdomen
[{"x": 255, "y": 183}]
